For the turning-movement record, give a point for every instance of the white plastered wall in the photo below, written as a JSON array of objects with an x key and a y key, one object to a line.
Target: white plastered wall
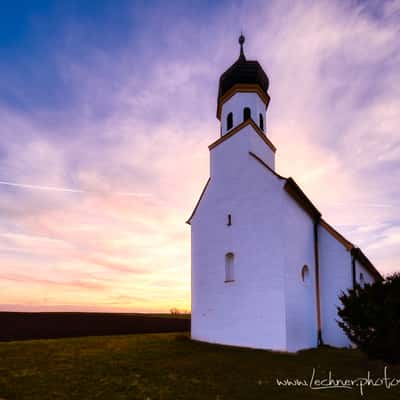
[
  {"x": 251, "y": 310},
  {"x": 301, "y": 311},
  {"x": 335, "y": 277}
]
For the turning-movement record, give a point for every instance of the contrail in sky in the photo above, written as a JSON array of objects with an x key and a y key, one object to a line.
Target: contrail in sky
[
  {"x": 38, "y": 187},
  {"x": 68, "y": 190}
]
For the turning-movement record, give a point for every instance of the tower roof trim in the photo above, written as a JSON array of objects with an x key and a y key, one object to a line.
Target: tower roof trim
[{"x": 239, "y": 128}]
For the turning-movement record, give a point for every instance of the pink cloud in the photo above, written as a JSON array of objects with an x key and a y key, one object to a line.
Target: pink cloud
[{"x": 135, "y": 174}]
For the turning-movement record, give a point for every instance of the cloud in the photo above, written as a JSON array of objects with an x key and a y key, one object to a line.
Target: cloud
[
  {"x": 115, "y": 265},
  {"x": 102, "y": 182},
  {"x": 49, "y": 282}
]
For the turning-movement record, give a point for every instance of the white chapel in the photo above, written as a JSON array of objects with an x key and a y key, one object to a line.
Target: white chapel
[{"x": 267, "y": 269}]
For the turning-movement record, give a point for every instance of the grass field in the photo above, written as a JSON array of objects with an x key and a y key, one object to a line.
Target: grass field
[{"x": 170, "y": 366}]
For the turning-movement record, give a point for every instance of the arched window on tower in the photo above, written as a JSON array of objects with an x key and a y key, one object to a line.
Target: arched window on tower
[
  {"x": 229, "y": 265},
  {"x": 246, "y": 114},
  {"x": 261, "y": 122},
  {"x": 229, "y": 121}
]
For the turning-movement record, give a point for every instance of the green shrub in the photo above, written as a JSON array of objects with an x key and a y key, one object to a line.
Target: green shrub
[{"x": 370, "y": 317}]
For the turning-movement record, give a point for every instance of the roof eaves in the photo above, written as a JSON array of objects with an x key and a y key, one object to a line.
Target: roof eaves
[
  {"x": 339, "y": 237},
  {"x": 363, "y": 259},
  {"x": 293, "y": 189},
  {"x": 198, "y": 202},
  {"x": 356, "y": 252},
  {"x": 266, "y": 165}
]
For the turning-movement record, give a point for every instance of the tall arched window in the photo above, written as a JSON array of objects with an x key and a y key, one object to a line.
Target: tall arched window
[
  {"x": 246, "y": 113},
  {"x": 261, "y": 122},
  {"x": 229, "y": 121},
  {"x": 305, "y": 273},
  {"x": 229, "y": 265}
]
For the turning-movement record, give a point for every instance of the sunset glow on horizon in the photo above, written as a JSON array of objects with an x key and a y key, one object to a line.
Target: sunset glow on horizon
[{"x": 107, "y": 110}]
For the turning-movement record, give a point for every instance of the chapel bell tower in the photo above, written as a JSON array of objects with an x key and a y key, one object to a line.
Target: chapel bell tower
[
  {"x": 243, "y": 94},
  {"x": 242, "y": 104}
]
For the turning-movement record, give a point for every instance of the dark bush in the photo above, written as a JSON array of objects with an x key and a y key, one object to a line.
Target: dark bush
[{"x": 370, "y": 317}]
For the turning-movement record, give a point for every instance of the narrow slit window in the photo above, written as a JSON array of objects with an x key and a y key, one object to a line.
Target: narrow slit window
[
  {"x": 261, "y": 122},
  {"x": 229, "y": 267},
  {"x": 305, "y": 274},
  {"x": 229, "y": 223},
  {"x": 246, "y": 113},
  {"x": 229, "y": 121}
]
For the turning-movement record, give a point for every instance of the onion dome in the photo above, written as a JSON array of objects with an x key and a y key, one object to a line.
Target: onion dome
[{"x": 243, "y": 72}]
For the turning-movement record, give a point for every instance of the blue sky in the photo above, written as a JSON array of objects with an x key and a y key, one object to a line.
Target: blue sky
[{"x": 107, "y": 109}]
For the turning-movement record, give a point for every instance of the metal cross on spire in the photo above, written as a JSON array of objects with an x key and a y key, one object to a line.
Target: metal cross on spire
[{"x": 241, "y": 42}]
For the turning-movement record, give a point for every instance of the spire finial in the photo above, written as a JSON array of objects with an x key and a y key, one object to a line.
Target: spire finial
[{"x": 241, "y": 41}]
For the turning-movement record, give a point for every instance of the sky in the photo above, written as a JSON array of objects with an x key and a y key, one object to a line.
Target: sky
[{"x": 107, "y": 110}]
